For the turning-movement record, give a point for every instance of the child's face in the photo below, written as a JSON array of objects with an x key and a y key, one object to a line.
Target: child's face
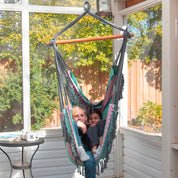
[
  {"x": 80, "y": 115},
  {"x": 94, "y": 118}
]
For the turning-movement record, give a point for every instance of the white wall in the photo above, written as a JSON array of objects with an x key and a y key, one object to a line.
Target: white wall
[
  {"x": 141, "y": 154},
  {"x": 170, "y": 89}
]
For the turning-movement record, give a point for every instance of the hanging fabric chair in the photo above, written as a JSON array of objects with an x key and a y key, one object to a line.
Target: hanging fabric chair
[{"x": 70, "y": 94}]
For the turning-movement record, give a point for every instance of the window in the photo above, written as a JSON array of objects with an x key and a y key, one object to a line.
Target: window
[
  {"x": 10, "y": 71},
  {"x": 144, "y": 70},
  {"x": 18, "y": 107}
]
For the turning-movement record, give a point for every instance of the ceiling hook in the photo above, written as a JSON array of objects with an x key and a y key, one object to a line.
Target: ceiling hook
[{"x": 87, "y": 6}]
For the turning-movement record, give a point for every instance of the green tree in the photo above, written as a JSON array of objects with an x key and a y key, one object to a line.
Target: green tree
[
  {"x": 11, "y": 77},
  {"x": 147, "y": 28}
]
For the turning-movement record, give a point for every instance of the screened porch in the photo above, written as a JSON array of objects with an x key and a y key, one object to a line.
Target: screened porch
[{"x": 146, "y": 138}]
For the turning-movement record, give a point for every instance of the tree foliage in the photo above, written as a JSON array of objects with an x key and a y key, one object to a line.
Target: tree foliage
[
  {"x": 11, "y": 76},
  {"x": 147, "y": 28},
  {"x": 150, "y": 117}
]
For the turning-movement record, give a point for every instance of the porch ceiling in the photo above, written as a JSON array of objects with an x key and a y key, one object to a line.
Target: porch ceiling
[{"x": 130, "y": 3}]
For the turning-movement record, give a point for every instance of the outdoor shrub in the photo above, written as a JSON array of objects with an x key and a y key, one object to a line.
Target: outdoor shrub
[{"x": 150, "y": 116}]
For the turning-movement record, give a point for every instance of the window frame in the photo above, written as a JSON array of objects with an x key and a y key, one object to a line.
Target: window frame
[{"x": 124, "y": 103}]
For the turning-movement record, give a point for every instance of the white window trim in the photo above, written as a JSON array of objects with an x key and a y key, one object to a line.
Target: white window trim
[
  {"x": 140, "y": 6},
  {"x": 41, "y": 9}
]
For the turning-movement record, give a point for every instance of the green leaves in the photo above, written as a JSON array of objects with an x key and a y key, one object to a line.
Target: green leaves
[
  {"x": 17, "y": 119},
  {"x": 43, "y": 95},
  {"x": 10, "y": 90},
  {"x": 89, "y": 53},
  {"x": 147, "y": 28},
  {"x": 150, "y": 116}
]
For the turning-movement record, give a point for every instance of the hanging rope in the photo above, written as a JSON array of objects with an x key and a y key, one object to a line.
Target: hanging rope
[
  {"x": 70, "y": 93},
  {"x": 87, "y": 7}
]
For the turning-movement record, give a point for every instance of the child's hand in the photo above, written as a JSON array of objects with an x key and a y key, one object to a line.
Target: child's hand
[
  {"x": 82, "y": 126},
  {"x": 92, "y": 124}
]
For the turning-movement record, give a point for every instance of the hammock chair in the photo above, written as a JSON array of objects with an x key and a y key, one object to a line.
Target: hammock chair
[{"x": 70, "y": 94}]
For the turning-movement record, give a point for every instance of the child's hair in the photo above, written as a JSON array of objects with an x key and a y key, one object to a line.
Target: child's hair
[
  {"x": 97, "y": 112},
  {"x": 75, "y": 108}
]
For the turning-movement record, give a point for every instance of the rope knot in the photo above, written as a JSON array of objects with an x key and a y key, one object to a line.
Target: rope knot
[
  {"x": 87, "y": 6},
  {"x": 52, "y": 42},
  {"x": 128, "y": 34}
]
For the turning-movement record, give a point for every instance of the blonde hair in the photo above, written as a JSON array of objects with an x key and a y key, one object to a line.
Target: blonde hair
[{"x": 75, "y": 108}]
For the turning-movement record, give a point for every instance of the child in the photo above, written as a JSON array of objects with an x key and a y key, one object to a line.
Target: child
[
  {"x": 95, "y": 131},
  {"x": 91, "y": 132},
  {"x": 80, "y": 117}
]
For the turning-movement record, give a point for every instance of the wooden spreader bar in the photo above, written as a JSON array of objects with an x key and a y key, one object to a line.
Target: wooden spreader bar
[{"x": 90, "y": 39}]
